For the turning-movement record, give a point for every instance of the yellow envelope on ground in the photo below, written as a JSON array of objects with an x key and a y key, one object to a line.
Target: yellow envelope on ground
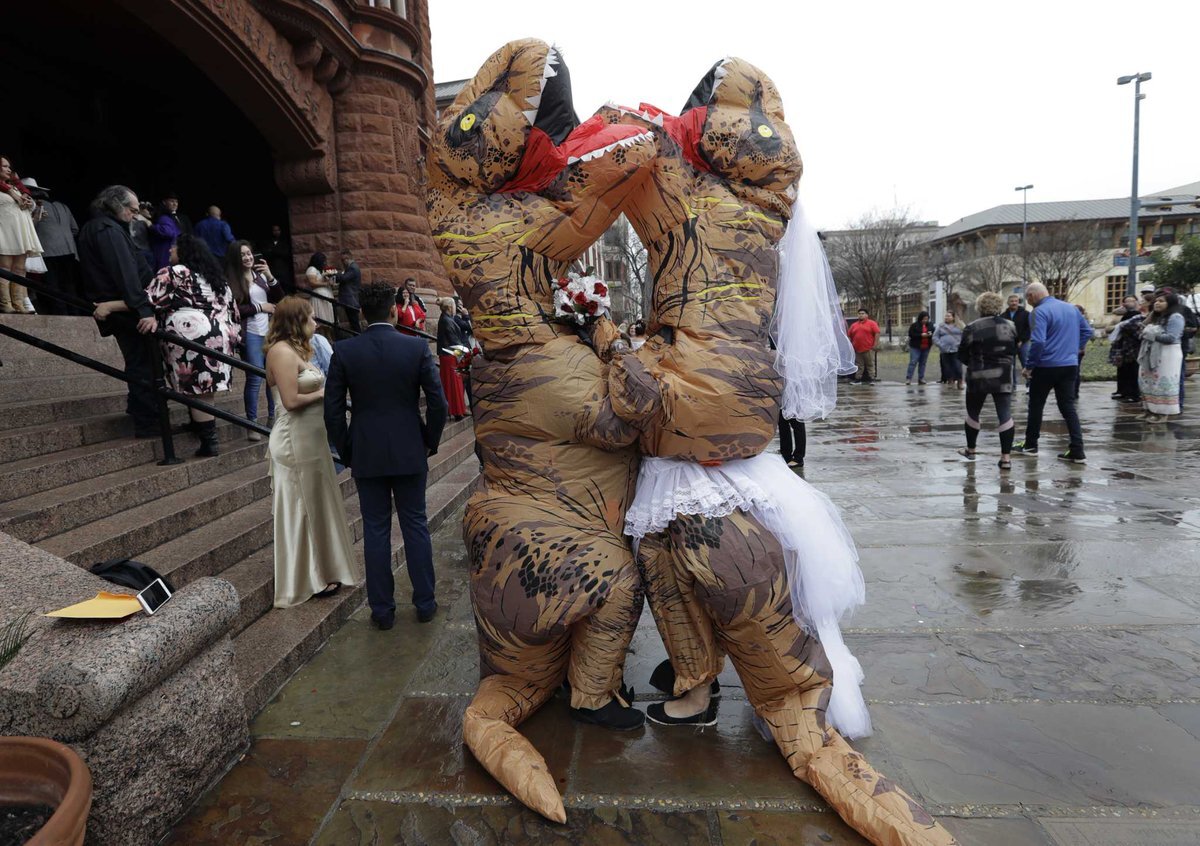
[{"x": 104, "y": 606}]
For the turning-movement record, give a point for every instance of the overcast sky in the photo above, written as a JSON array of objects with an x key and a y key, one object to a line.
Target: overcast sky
[{"x": 940, "y": 107}]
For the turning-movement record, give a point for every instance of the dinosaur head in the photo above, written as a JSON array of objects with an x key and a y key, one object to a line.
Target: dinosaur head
[
  {"x": 742, "y": 135},
  {"x": 513, "y": 127}
]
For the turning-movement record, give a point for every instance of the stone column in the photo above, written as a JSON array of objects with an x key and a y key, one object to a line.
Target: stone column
[{"x": 380, "y": 174}]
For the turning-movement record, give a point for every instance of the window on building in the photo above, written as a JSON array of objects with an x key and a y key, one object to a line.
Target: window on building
[
  {"x": 1165, "y": 235},
  {"x": 1058, "y": 288},
  {"x": 1114, "y": 292},
  {"x": 1008, "y": 242}
]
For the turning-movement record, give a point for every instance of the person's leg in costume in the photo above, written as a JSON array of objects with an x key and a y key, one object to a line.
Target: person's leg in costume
[
  {"x": 738, "y": 574},
  {"x": 1006, "y": 427}
]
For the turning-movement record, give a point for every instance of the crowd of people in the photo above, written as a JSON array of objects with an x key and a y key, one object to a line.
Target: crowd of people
[
  {"x": 238, "y": 305},
  {"x": 1045, "y": 345}
]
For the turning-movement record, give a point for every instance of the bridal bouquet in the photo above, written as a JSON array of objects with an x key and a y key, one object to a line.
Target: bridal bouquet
[{"x": 580, "y": 299}]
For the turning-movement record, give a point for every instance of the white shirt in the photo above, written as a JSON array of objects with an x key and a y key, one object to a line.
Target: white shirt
[{"x": 258, "y": 324}]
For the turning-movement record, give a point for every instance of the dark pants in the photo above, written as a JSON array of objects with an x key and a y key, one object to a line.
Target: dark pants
[
  {"x": 793, "y": 441},
  {"x": 951, "y": 367},
  {"x": 1061, "y": 380},
  {"x": 351, "y": 313},
  {"x": 1004, "y": 426},
  {"x": 141, "y": 404},
  {"x": 62, "y": 275},
  {"x": 1127, "y": 381},
  {"x": 375, "y": 496}
]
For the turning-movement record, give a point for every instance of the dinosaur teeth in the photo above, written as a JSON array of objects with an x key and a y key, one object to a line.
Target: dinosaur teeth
[
  {"x": 531, "y": 116},
  {"x": 597, "y": 153}
]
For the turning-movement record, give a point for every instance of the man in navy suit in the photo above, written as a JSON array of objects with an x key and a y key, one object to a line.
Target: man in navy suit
[{"x": 387, "y": 445}]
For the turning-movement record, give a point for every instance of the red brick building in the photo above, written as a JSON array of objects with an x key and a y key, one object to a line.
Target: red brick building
[{"x": 306, "y": 113}]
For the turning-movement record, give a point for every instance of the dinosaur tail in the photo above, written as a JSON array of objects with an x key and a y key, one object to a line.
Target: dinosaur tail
[{"x": 500, "y": 704}]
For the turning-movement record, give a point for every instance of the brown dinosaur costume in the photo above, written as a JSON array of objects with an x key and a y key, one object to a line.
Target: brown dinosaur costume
[
  {"x": 710, "y": 217},
  {"x": 553, "y": 584}
]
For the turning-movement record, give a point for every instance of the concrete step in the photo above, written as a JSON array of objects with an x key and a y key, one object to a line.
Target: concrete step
[
  {"x": 63, "y": 331},
  {"x": 136, "y": 530},
  {"x": 55, "y": 511},
  {"x": 85, "y": 383},
  {"x": 38, "y": 362},
  {"x": 210, "y": 549},
  {"x": 273, "y": 647},
  {"x": 58, "y": 435}
]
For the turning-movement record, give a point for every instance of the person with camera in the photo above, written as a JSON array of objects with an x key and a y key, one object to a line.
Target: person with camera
[{"x": 256, "y": 291}]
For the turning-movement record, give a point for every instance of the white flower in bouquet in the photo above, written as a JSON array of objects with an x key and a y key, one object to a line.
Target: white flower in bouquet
[{"x": 580, "y": 299}]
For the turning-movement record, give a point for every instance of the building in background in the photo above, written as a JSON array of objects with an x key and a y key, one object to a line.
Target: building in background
[
  {"x": 1079, "y": 249},
  {"x": 310, "y": 114}
]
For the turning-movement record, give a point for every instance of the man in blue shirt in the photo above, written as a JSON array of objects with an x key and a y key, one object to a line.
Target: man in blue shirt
[
  {"x": 215, "y": 232},
  {"x": 1057, "y": 333}
]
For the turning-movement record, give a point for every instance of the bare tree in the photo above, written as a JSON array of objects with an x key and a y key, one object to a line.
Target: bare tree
[
  {"x": 622, "y": 244},
  {"x": 876, "y": 258},
  {"x": 1060, "y": 255},
  {"x": 988, "y": 270}
]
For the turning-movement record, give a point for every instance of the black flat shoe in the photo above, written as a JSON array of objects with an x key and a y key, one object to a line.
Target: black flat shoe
[
  {"x": 663, "y": 678},
  {"x": 613, "y": 716},
  {"x": 330, "y": 590},
  {"x": 657, "y": 713},
  {"x": 426, "y": 616},
  {"x": 384, "y": 623}
]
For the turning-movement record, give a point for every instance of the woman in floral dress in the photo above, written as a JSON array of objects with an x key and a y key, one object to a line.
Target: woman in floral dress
[{"x": 194, "y": 301}]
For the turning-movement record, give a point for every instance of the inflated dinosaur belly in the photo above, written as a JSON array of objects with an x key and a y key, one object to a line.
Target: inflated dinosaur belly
[{"x": 554, "y": 588}]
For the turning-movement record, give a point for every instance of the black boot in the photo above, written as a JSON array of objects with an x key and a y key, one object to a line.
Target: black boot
[{"x": 207, "y": 432}]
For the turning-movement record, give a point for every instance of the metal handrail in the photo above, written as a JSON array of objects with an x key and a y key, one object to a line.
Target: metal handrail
[
  {"x": 170, "y": 337},
  {"x": 332, "y": 301},
  {"x": 157, "y": 385}
]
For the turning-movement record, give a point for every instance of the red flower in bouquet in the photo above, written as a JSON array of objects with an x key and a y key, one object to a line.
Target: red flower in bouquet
[
  {"x": 593, "y": 307},
  {"x": 564, "y": 282},
  {"x": 600, "y": 289},
  {"x": 580, "y": 298}
]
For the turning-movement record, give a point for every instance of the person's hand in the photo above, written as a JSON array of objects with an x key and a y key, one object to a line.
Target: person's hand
[
  {"x": 1026, "y": 372},
  {"x": 264, "y": 269},
  {"x": 147, "y": 325},
  {"x": 267, "y": 308},
  {"x": 103, "y": 311}
]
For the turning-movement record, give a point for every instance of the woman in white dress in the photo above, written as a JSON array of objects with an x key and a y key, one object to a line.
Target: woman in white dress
[
  {"x": 18, "y": 237},
  {"x": 312, "y": 535}
]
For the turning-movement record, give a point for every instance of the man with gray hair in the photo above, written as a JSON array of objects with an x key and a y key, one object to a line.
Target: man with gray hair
[
  {"x": 113, "y": 269},
  {"x": 1057, "y": 333}
]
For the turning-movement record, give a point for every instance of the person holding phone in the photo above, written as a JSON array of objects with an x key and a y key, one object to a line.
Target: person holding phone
[{"x": 256, "y": 291}]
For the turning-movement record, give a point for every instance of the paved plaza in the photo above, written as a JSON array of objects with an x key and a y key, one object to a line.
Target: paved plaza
[{"x": 1030, "y": 641}]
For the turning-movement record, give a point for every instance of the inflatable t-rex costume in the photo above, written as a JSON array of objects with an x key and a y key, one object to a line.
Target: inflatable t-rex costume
[
  {"x": 553, "y": 584},
  {"x": 711, "y": 214}
]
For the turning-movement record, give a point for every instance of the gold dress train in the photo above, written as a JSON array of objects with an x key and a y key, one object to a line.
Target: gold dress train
[{"x": 312, "y": 534}]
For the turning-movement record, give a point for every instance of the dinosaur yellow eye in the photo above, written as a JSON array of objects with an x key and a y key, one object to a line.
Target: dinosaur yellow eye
[
  {"x": 466, "y": 122},
  {"x": 765, "y": 131}
]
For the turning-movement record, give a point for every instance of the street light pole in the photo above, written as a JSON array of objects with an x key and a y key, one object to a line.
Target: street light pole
[
  {"x": 1137, "y": 79},
  {"x": 1024, "y": 189}
]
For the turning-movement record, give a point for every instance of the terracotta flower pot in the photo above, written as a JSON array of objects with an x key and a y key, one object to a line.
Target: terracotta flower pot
[{"x": 37, "y": 771}]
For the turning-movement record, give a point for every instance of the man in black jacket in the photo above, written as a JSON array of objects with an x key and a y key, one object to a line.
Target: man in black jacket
[
  {"x": 113, "y": 269},
  {"x": 349, "y": 282},
  {"x": 387, "y": 445},
  {"x": 1020, "y": 318}
]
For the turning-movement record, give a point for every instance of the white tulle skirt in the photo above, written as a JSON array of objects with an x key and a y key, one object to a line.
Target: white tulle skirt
[{"x": 819, "y": 554}]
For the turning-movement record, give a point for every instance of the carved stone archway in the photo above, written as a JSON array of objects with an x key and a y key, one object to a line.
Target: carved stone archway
[{"x": 341, "y": 90}]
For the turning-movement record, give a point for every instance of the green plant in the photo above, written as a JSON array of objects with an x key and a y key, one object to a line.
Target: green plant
[{"x": 13, "y": 635}]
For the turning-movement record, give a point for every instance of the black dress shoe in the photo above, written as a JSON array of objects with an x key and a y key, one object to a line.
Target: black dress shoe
[
  {"x": 426, "y": 616},
  {"x": 663, "y": 678},
  {"x": 613, "y": 716},
  {"x": 657, "y": 713},
  {"x": 384, "y": 623}
]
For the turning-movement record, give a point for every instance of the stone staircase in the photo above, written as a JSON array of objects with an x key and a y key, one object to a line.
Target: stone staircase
[{"x": 75, "y": 482}]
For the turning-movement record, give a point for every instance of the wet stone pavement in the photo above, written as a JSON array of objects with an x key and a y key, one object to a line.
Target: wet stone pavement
[{"x": 1030, "y": 640}]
